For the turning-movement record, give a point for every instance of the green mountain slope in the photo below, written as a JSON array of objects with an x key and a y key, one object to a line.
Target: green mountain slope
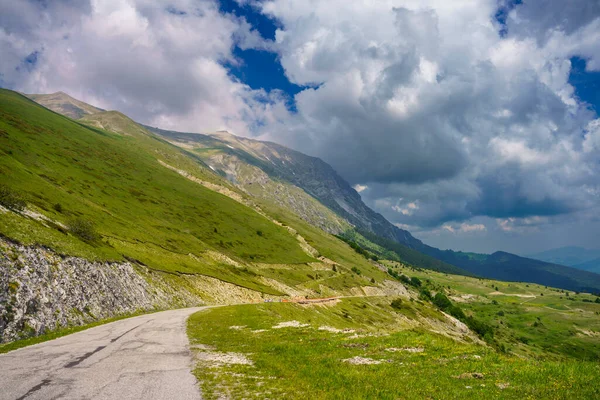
[
  {"x": 510, "y": 267},
  {"x": 156, "y": 204},
  {"x": 142, "y": 209}
]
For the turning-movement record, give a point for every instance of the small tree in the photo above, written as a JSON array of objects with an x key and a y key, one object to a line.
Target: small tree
[
  {"x": 11, "y": 199},
  {"x": 84, "y": 229}
]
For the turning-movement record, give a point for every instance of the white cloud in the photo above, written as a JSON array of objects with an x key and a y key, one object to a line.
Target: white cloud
[
  {"x": 159, "y": 62},
  {"x": 464, "y": 228},
  {"x": 360, "y": 188},
  {"x": 432, "y": 103}
]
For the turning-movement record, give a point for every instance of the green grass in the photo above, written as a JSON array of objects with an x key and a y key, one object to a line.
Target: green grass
[
  {"x": 141, "y": 209},
  {"x": 299, "y": 363},
  {"x": 552, "y": 325}
]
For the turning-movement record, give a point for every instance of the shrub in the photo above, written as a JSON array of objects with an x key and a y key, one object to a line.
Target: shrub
[
  {"x": 416, "y": 282},
  {"x": 484, "y": 330},
  {"x": 58, "y": 207},
  {"x": 441, "y": 301},
  {"x": 372, "y": 280},
  {"x": 11, "y": 199},
  {"x": 424, "y": 294},
  {"x": 500, "y": 313},
  {"x": 456, "y": 312},
  {"x": 356, "y": 270},
  {"x": 259, "y": 233},
  {"x": 495, "y": 302},
  {"x": 397, "y": 303},
  {"x": 84, "y": 229}
]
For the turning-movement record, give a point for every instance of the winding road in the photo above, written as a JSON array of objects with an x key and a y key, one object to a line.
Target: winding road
[{"x": 145, "y": 357}]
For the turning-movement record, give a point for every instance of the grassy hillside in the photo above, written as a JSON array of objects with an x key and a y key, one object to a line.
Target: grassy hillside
[
  {"x": 528, "y": 319},
  {"x": 140, "y": 209},
  {"x": 108, "y": 173},
  {"x": 541, "y": 343},
  {"x": 393, "y": 250},
  {"x": 364, "y": 348},
  {"x": 64, "y": 104}
]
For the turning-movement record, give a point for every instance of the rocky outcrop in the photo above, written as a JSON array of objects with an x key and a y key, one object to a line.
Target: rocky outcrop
[{"x": 41, "y": 290}]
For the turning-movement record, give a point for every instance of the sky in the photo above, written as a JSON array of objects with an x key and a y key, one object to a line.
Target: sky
[{"x": 472, "y": 123}]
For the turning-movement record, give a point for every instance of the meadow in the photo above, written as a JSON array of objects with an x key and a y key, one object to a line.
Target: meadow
[{"x": 363, "y": 348}]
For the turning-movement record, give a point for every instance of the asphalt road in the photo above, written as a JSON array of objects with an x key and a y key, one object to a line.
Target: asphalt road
[{"x": 145, "y": 357}]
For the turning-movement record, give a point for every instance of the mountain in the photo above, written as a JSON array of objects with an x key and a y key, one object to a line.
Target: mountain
[
  {"x": 305, "y": 185},
  {"x": 570, "y": 255},
  {"x": 276, "y": 177},
  {"x": 64, "y": 104},
  {"x": 591, "y": 265},
  {"x": 311, "y": 174}
]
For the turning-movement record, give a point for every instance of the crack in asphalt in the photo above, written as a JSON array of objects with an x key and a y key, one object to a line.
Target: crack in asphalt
[
  {"x": 83, "y": 357},
  {"x": 79, "y": 360},
  {"x": 35, "y": 388},
  {"x": 123, "y": 334}
]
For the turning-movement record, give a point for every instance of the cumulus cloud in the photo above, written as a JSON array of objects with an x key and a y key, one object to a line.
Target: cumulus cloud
[
  {"x": 159, "y": 62},
  {"x": 441, "y": 105}
]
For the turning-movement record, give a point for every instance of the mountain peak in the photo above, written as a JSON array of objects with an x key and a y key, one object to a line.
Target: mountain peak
[{"x": 64, "y": 104}]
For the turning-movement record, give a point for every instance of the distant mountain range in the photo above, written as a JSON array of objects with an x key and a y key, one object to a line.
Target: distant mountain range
[
  {"x": 573, "y": 256},
  {"x": 315, "y": 192}
]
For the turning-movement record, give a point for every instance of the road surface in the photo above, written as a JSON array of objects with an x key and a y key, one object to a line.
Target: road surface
[{"x": 145, "y": 357}]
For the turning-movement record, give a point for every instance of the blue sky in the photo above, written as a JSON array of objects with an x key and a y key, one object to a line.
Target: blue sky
[{"x": 474, "y": 126}]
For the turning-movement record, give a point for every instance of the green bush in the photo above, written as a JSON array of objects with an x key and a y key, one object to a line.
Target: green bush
[
  {"x": 397, "y": 303},
  {"x": 416, "y": 282},
  {"x": 425, "y": 294},
  {"x": 356, "y": 270},
  {"x": 441, "y": 301},
  {"x": 83, "y": 229},
  {"x": 11, "y": 199}
]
